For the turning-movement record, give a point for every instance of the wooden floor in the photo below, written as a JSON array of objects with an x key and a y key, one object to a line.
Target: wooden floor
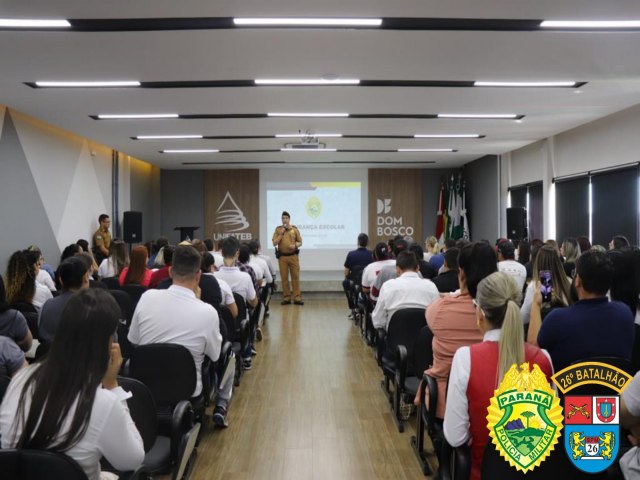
[{"x": 311, "y": 408}]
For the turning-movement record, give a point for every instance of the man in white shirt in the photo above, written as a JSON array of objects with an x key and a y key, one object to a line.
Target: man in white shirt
[
  {"x": 177, "y": 315},
  {"x": 240, "y": 283},
  {"x": 409, "y": 290},
  {"x": 508, "y": 264},
  {"x": 257, "y": 262}
]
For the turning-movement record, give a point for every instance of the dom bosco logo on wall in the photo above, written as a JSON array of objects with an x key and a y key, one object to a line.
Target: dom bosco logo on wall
[
  {"x": 388, "y": 225},
  {"x": 313, "y": 207},
  {"x": 231, "y": 219}
]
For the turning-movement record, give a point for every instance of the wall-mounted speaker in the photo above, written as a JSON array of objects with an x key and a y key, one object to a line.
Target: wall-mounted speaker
[
  {"x": 132, "y": 227},
  {"x": 517, "y": 223}
]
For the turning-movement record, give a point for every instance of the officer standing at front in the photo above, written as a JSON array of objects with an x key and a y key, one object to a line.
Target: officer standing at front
[
  {"x": 102, "y": 239},
  {"x": 288, "y": 241}
]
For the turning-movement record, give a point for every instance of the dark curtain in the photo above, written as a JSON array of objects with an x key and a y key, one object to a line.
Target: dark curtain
[
  {"x": 519, "y": 197},
  {"x": 615, "y": 205},
  {"x": 572, "y": 208},
  {"x": 536, "y": 211}
]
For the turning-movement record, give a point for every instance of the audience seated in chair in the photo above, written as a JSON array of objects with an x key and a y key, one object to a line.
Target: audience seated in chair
[
  {"x": 73, "y": 276},
  {"x": 406, "y": 291},
  {"x": 593, "y": 326},
  {"x": 425, "y": 268},
  {"x": 452, "y": 318},
  {"x": 176, "y": 315},
  {"x": 477, "y": 370},
  {"x": 257, "y": 261},
  {"x": 137, "y": 271},
  {"x": 162, "y": 273},
  {"x": 360, "y": 257},
  {"x": 210, "y": 293},
  {"x": 381, "y": 255},
  {"x": 20, "y": 281},
  {"x": 116, "y": 261},
  {"x": 507, "y": 263},
  {"x": 70, "y": 401},
  {"x": 448, "y": 281},
  {"x": 13, "y": 324},
  {"x": 388, "y": 272}
]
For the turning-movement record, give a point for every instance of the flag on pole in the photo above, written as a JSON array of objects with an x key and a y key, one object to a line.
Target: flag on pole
[
  {"x": 465, "y": 224},
  {"x": 451, "y": 209},
  {"x": 457, "y": 228},
  {"x": 440, "y": 222}
]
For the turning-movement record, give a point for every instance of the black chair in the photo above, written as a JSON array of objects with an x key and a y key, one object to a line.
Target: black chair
[
  {"x": 403, "y": 329},
  {"x": 411, "y": 361},
  {"x": 427, "y": 420},
  {"x": 244, "y": 325},
  {"x": 112, "y": 283},
  {"x": 39, "y": 464},
  {"x": 168, "y": 370},
  {"x": 238, "y": 336},
  {"x": 125, "y": 304},
  {"x": 31, "y": 316},
  {"x": 173, "y": 453},
  {"x": 135, "y": 291},
  {"x": 456, "y": 463},
  {"x": 4, "y": 384},
  {"x": 365, "y": 305},
  {"x": 42, "y": 350}
]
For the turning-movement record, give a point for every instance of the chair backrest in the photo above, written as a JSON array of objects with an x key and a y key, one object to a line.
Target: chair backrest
[
  {"x": 4, "y": 384},
  {"x": 404, "y": 329},
  {"x": 125, "y": 304},
  {"x": 135, "y": 291},
  {"x": 167, "y": 369},
  {"x": 423, "y": 351},
  {"x": 142, "y": 408},
  {"x": 242, "y": 306},
  {"x": 39, "y": 464},
  {"x": 229, "y": 322},
  {"x": 355, "y": 274},
  {"x": 112, "y": 283}
]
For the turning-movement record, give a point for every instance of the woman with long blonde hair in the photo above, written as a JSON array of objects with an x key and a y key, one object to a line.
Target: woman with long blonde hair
[
  {"x": 431, "y": 247},
  {"x": 477, "y": 370}
]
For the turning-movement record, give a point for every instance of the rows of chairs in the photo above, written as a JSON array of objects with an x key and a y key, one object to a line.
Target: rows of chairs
[
  {"x": 403, "y": 353},
  {"x": 161, "y": 378}
]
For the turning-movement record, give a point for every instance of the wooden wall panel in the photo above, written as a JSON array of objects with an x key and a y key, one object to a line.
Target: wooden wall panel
[
  {"x": 231, "y": 204},
  {"x": 395, "y": 204}
]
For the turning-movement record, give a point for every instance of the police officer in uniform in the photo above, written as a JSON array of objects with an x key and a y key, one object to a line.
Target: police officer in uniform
[
  {"x": 287, "y": 241},
  {"x": 102, "y": 239}
]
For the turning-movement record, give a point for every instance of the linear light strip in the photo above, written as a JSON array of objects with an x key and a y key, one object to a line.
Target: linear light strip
[
  {"x": 303, "y": 135},
  {"x": 456, "y": 135},
  {"x": 167, "y": 137},
  {"x": 191, "y": 151},
  {"x": 307, "y": 22},
  {"x": 33, "y": 23},
  {"x": 478, "y": 115},
  {"x": 426, "y": 150},
  {"x": 97, "y": 84},
  {"x": 137, "y": 115},
  {"x": 308, "y": 149},
  {"x": 523, "y": 84},
  {"x": 588, "y": 24},
  {"x": 279, "y": 114},
  {"x": 306, "y": 81}
]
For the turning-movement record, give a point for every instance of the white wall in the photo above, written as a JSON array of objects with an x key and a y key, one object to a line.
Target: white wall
[{"x": 525, "y": 164}]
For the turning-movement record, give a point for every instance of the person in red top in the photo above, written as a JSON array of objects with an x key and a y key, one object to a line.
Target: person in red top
[
  {"x": 163, "y": 272},
  {"x": 137, "y": 271},
  {"x": 477, "y": 370}
]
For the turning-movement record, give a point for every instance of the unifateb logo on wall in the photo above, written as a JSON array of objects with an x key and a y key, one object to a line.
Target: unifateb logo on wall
[
  {"x": 232, "y": 220},
  {"x": 388, "y": 225}
]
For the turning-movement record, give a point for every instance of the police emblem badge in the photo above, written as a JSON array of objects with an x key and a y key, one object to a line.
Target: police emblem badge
[
  {"x": 592, "y": 431},
  {"x": 525, "y": 417}
]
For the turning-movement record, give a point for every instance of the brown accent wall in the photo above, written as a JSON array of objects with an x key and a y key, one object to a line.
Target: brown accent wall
[
  {"x": 395, "y": 204},
  {"x": 231, "y": 204}
]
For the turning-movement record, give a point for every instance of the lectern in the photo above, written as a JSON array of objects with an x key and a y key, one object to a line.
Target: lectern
[{"x": 186, "y": 232}]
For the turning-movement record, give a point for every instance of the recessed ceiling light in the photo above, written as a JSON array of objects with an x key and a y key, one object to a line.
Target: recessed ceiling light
[
  {"x": 308, "y": 149},
  {"x": 137, "y": 115},
  {"x": 426, "y": 150},
  {"x": 303, "y": 135},
  {"x": 590, "y": 24},
  {"x": 308, "y": 22},
  {"x": 456, "y": 135},
  {"x": 166, "y": 137},
  {"x": 478, "y": 115},
  {"x": 191, "y": 151},
  {"x": 306, "y": 81},
  {"x": 524, "y": 84},
  {"x": 307, "y": 114},
  {"x": 98, "y": 84},
  {"x": 33, "y": 23}
]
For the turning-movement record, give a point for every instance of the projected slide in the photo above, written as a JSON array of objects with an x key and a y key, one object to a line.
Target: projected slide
[{"x": 327, "y": 213}]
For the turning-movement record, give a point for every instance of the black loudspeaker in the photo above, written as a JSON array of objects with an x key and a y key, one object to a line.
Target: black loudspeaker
[
  {"x": 132, "y": 227},
  {"x": 517, "y": 223}
]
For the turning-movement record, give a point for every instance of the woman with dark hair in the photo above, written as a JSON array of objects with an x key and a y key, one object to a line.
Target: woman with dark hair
[
  {"x": 381, "y": 258},
  {"x": 116, "y": 262},
  {"x": 137, "y": 271},
  {"x": 477, "y": 370},
  {"x": 85, "y": 249},
  {"x": 70, "y": 251},
  {"x": 13, "y": 325},
  {"x": 70, "y": 401},
  {"x": 547, "y": 259},
  {"x": 23, "y": 291}
]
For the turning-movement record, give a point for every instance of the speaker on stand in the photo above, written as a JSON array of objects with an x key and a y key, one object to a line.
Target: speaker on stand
[
  {"x": 517, "y": 223},
  {"x": 132, "y": 227}
]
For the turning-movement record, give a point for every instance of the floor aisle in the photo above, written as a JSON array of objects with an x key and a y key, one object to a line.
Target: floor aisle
[{"x": 311, "y": 408}]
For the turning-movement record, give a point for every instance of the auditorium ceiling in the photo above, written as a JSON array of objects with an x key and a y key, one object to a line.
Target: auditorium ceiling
[{"x": 409, "y": 69}]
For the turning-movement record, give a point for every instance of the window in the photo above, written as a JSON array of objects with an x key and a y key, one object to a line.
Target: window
[
  {"x": 572, "y": 207},
  {"x": 615, "y": 205}
]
